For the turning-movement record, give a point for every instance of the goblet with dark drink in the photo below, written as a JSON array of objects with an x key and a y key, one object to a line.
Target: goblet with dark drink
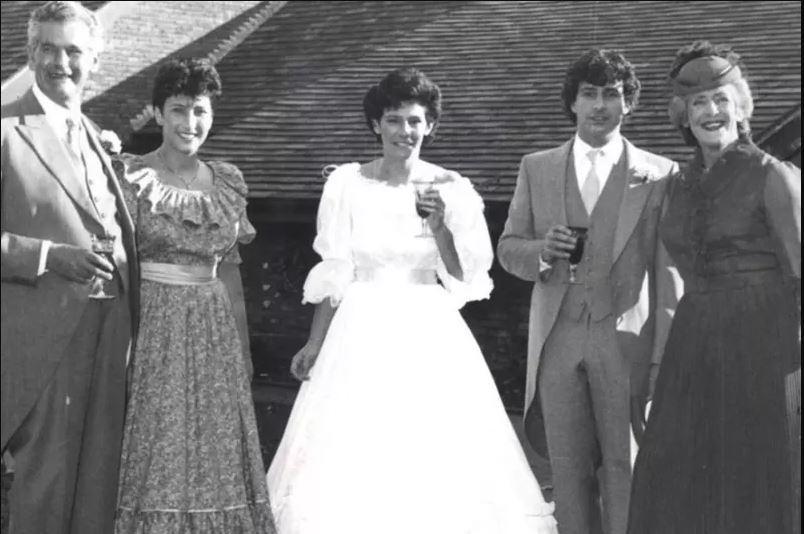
[
  {"x": 103, "y": 245},
  {"x": 576, "y": 255},
  {"x": 422, "y": 187}
]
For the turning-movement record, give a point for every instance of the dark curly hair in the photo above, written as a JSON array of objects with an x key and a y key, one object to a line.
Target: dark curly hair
[
  {"x": 677, "y": 109},
  {"x": 398, "y": 87},
  {"x": 187, "y": 76},
  {"x": 600, "y": 67}
]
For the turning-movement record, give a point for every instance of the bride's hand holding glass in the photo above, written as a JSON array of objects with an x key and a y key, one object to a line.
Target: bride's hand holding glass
[{"x": 430, "y": 207}]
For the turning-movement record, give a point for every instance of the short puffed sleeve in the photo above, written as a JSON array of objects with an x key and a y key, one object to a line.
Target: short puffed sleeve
[
  {"x": 330, "y": 277},
  {"x": 234, "y": 202},
  {"x": 464, "y": 218},
  {"x": 129, "y": 170}
]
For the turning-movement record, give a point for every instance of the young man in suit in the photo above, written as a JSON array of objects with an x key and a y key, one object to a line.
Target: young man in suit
[
  {"x": 591, "y": 335},
  {"x": 68, "y": 312}
]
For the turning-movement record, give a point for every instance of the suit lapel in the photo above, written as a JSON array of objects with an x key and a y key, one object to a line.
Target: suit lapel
[
  {"x": 634, "y": 198},
  {"x": 558, "y": 169},
  {"x": 53, "y": 155}
]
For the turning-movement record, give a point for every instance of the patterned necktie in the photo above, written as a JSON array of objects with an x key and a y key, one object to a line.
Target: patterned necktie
[{"x": 591, "y": 186}]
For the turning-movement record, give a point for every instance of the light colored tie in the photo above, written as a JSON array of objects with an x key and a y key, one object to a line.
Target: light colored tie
[
  {"x": 591, "y": 186},
  {"x": 74, "y": 138}
]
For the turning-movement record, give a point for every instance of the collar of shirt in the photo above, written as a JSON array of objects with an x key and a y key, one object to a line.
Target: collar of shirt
[
  {"x": 55, "y": 114},
  {"x": 609, "y": 155}
]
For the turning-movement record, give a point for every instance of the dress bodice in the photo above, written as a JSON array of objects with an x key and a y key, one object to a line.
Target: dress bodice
[
  {"x": 182, "y": 226},
  {"x": 367, "y": 224},
  {"x": 736, "y": 218}
]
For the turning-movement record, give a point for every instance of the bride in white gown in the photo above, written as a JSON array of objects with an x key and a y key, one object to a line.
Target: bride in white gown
[{"x": 398, "y": 427}]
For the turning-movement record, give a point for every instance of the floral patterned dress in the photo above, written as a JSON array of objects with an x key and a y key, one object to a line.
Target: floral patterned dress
[
  {"x": 191, "y": 458},
  {"x": 719, "y": 454}
]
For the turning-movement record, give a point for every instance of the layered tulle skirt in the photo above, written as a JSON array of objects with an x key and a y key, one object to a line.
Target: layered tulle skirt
[{"x": 400, "y": 429}]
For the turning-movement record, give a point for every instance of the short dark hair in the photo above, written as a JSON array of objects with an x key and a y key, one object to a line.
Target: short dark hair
[
  {"x": 600, "y": 67},
  {"x": 187, "y": 76},
  {"x": 398, "y": 87},
  {"x": 677, "y": 109}
]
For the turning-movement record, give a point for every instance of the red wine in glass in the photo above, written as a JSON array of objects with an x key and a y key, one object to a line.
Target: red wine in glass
[
  {"x": 576, "y": 255},
  {"x": 422, "y": 187},
  {"x": 419, "y": 210},
  {"x": 103, "y": 245}
]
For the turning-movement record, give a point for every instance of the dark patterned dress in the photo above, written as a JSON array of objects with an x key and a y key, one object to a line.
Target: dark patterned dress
[
  {"x": 191, "y": 457},
  {"x": 721, "y": 450}
]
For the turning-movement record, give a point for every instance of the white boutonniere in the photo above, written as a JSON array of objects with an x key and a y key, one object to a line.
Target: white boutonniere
[
  {"x": 642, "y": 175},
  {"x": 110, "y": 142}
]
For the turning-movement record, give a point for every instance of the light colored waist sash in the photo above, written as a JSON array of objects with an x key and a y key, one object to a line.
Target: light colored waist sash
[
  {"x": 386, "y": 275},
  {"x": 173, "y": 273}
]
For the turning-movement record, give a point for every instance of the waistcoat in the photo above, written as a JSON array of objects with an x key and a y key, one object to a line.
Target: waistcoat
[{"x": 592, "y": 292}]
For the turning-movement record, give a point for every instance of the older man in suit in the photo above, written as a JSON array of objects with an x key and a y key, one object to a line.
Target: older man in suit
[
  {"x": 593, "y": 335},
  {"x": 69, "y": 308}
]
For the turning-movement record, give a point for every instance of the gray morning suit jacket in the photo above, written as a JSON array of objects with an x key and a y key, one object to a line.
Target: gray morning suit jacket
[
  {"x": 644, "y": 288},
  {"x": 42, "y": 198}
]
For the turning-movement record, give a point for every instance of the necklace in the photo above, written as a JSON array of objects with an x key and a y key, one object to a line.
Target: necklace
[{"x": 186, "y": 181}]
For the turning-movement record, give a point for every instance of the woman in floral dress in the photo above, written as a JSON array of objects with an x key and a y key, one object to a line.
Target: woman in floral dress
[{"x": 191, "y": 457}]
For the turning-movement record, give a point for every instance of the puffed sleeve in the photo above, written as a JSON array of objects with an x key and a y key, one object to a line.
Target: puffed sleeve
[
  {"x": 233, "y": 200},
  {"x": 336, "y": 270},
  {"x": 128, "y": 170},
  {"x": 783, "y": 208},
  {"x": 464, "y": 217},
  {"x": 245, "y": 235}
]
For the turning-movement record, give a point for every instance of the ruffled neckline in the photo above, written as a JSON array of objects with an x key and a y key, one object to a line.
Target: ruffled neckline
[{"x": 221, "y": 204}]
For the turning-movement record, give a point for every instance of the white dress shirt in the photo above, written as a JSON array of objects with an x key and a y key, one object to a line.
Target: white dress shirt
[
  {"x": 609, "y": 155},
  {"x": 56, "y": 116}
]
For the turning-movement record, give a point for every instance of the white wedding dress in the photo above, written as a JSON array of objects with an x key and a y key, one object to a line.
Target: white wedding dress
[{"x": 400, "y": 429}]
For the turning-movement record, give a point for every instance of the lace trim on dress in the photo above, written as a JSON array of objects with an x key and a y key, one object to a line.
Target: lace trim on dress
[
  {"x": 252, "y": 518},
  {"x": 225, "y": 202}
]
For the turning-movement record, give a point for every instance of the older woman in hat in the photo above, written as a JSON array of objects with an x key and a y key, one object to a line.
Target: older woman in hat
[{"x": 715, "y": 457}]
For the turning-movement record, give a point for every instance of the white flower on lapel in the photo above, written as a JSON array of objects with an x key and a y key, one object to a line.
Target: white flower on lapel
[
  {"x": 642, "y": 175},
  {"x": 110, "y": 142}
]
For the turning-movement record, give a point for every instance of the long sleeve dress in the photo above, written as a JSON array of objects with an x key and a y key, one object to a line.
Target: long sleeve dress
[
  {"x": 400, "y": 428},
  {"x": 722, "y": 445},
  {"x": 191, "y": 460}
]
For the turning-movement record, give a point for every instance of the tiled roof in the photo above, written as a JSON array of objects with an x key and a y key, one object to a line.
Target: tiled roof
[
  {"x": 13, "y": 36},
  {"x": 293, "y": 89},
  {"x": 139, "y": 37},
  {"x": 152, "y": 33}
]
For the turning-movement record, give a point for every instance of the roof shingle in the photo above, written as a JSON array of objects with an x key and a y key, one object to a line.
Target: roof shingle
[
  {"x": 293, "y": 89},
  {"x": 14, "y": 38}
]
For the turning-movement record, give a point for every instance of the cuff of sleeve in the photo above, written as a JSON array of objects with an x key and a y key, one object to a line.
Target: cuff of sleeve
[
  {"x": 328, "y": 279},
  {"x": 476, "y": 286},
  {"x": 543, "y": 265},
  {"x": 42, "y": 269}
]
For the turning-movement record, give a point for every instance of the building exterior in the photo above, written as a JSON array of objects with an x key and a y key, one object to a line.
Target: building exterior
[{"x": 294, "y": 75}]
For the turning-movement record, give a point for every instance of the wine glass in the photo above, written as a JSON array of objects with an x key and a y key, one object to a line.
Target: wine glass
[
  {"x": 422, "y": 187},
  {"x": 579, "y": 233},
  {"x": 103, "y": 245}
]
